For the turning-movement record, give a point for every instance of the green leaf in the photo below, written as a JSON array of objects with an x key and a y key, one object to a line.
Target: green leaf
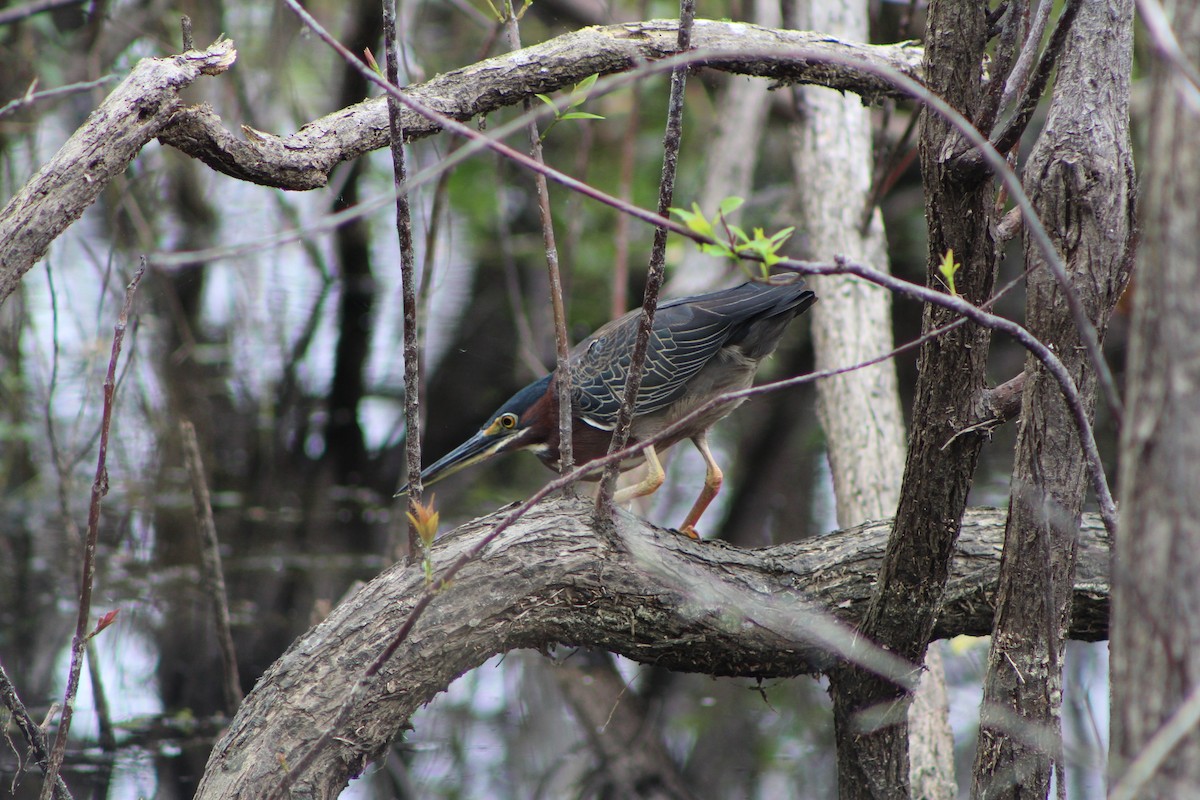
[
  {"x": 730, "y": 205},
  {"x": 949, "y": 268},
  {"x": 580, "y": 115},
  {"x": 695, "y": 220},
  {"x": 581, "y": 90},
  {"x": 545, "y": 98},
  {"x": 783, "y": 235}
]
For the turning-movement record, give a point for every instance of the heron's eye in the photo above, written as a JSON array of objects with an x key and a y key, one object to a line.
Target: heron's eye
[{"x": 508, "y": 421}]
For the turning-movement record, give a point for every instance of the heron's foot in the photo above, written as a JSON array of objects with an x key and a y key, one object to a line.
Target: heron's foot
[{"x": 689, "y": 531}]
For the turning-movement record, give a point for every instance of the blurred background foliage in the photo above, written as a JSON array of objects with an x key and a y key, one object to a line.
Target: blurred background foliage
[{"x": 288, "y": 362}]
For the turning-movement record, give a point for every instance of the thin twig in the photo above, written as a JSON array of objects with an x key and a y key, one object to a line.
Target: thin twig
[
  {"x": 1182, "y": 723},
  {"x": 210, "y": 565},
  {"x": 562, "y": 347},
  {"x": 658, "y": 260},
  {"x": 1018, "y": 79},
  {"x": 11, "y": 15},
  {"x": 1007, "y": 137},
  {"x": 186, "y": 35},
  {"x": 31, "y": 730},
  {"x": 99, "y": 489},
  {"x": 408, "y": 279},
  {"x": 30, "y": 97},
  {"x": 1008, "y": 20}
]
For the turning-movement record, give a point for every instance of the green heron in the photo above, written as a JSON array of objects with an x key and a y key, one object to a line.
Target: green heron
[{"x": 700, "y": 347}]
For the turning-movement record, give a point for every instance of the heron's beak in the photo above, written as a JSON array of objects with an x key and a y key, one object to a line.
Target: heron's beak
[{"x": 480, "y": 447}]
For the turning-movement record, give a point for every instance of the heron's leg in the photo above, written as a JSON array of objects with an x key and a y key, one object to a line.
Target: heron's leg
[
  {"x": 649, "y": 484},
  {"x": 712, "y": 484}
]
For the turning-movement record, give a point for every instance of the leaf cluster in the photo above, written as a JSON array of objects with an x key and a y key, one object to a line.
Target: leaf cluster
[{"x": 731, "y": 241}]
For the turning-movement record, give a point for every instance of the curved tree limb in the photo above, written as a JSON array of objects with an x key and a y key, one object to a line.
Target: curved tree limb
[
  {"x": 304, "y": 159},
  {"x": 555, "y": 577}
]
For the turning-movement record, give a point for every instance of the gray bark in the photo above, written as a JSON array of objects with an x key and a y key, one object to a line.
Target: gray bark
[
  {"x": 1080, "y": 178},
  {"x": 648, "y": 594},
  {"x": 304, "y": 159},
  {"x": 860, "y": 410},
  {"x": 1156, "y": 624}
]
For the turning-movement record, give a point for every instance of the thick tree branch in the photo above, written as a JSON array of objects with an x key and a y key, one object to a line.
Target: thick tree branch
[
  {"x": 554, "y": 577},
  {"x": 100, "y": 150},
  {"x": 304, "y": 159}
]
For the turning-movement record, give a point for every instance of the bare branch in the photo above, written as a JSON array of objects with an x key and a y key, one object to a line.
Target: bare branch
[
  {"x": 99, "y": 489},
  {"x": 210, "y": 565},
  {"x": 30, "y": 97},
  {"x": 33, "y": 733},
  {"x": 562, "y": 345},
  {"x": 408, "y": 274},
  {"x": 658, "y": 259},
  {"x": 1008, "y": 136}
]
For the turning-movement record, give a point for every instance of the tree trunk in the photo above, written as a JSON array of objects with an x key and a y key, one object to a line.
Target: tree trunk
[
  {"x": 859, "y": 411},
  {"x": 1156, "y": 627},
  {"x": 1080, "y": 179},
  {"x": 870, "y": 713}
]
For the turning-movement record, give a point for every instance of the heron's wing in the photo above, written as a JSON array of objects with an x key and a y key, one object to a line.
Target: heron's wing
[{"x": 687, "y": 333}]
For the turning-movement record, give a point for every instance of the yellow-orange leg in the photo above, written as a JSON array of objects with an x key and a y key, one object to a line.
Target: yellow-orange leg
[
  {"x": 712, "y": 484},
  {"x": 649, "y": 484}
]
